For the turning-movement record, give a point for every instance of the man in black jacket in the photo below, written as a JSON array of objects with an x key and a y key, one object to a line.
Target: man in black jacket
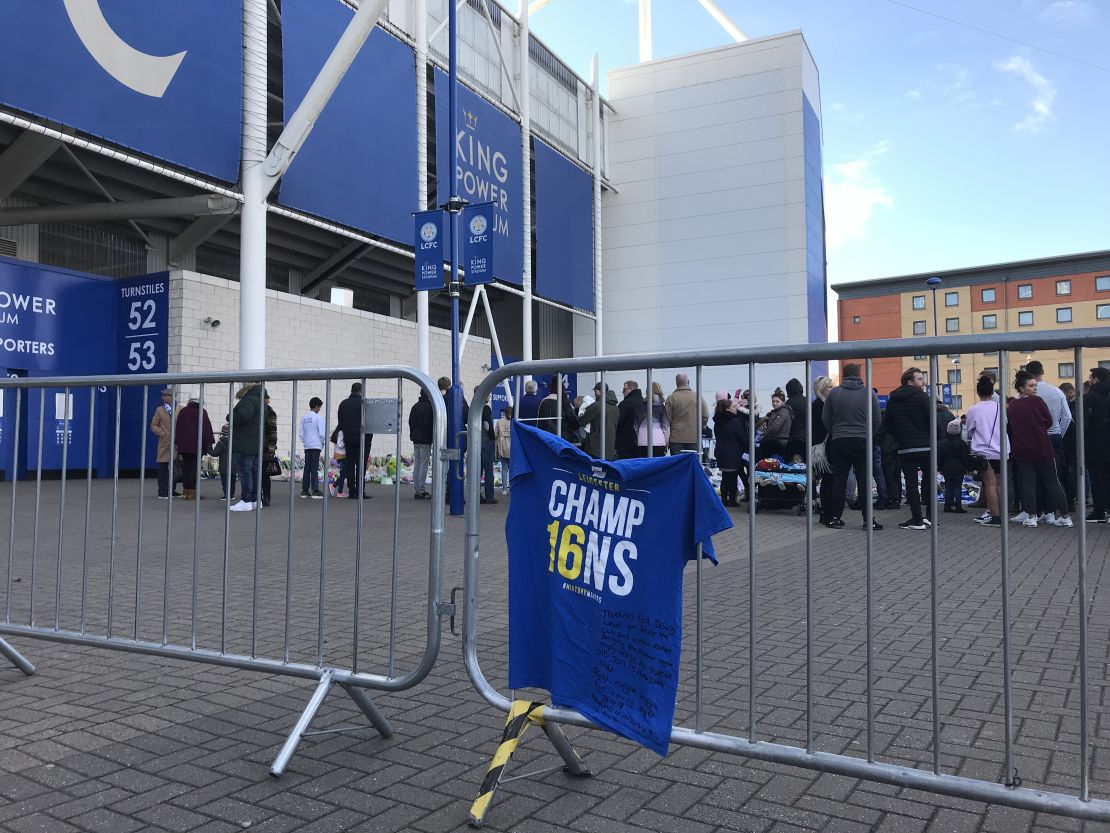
[
  {"x": 422, "y": 433},
  {"x": 799, "y": 407},
  {"x": 1096, "y": 427},
  {"x": 907, "y": 420},
  {"x": 488, "y": 445},
  {"x": 626, "y": 423},
  {"x": 350, "y": 423}
]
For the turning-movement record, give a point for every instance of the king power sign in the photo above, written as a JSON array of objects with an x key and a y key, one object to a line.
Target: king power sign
[{"x": 482, "y": 172}]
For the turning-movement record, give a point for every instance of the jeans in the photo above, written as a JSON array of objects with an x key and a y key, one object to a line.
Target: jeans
[
  {"x": 310, "y": 477},
  {"x": 678, "y": 448},
  {"x": 422, "y": 460},
  {"x": 856, "y": 487},
  {"x": 355, "y": 466},
  {"x": 504, "y": 463},
  {"x": 487, "y": 469},
  {"x": 164, "y": 484},
  {"x": 227, "y": 476},
  {"x": 847, "y": 453},
  {"x": 248, "y": 468},
  {"x": 912, "y": 463},
  {"x": 953, "y": 488}
]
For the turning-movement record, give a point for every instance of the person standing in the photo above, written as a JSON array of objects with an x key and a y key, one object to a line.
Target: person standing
[
  {"x": 907, "y": 420},
  {"x": 422, "y": 434},
  {"x": 312, "y": 438},
  {"x": 1096, "y": 445},
  {"x": 799, "y": 413},
  {"x": 731, "y": 442},
  {"x": 845, "y": 418},
  {"x": 503, "y": 434},
  {"x": 654, "y": 421},
  {"x": 160, "y": 424},
  {"x": 222, "y": 452},
  {"x": 529, "y": 404},
  {"x": 954, "y": 459},
  {"x": 268, "y": 467},
  {"x": 246, "y": 437},
  {"x": 549, "y": 412},
  {"x": 682, "y": 408},
  {"x": 1034, "y": 457},
  {"x": 1071, "y": 456},
  {"x": 983, "y": 421},
  {"x": 191, "y": 420},
  {"x": 1058, "y": 409},
  {"x": 591, "y": 420},
  {"x": 489, "y": 447},
  {"x": 626, "y": 421},
  {"x": 349, "y": 419}
]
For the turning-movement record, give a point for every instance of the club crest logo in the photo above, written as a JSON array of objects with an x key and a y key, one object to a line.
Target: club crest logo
[
  {"x": 478, "y": 224},
  {"x": 429, "y": 232}
]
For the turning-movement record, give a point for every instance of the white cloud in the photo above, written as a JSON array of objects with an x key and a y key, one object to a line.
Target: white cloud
[
  {"x": 1044, "y": 92},
  {"x": 852, "y": 194},
  {"x": 1067, "y": 13}
]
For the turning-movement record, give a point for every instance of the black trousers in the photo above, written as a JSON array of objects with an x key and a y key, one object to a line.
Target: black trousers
[
  {"x": 847, "y": 453},
  {"x": 729, "y": 488},
  {"x": 1100, "y": 485},
  {"x": 911, "y": 464},
  {"x": 1037, "y": 478}
]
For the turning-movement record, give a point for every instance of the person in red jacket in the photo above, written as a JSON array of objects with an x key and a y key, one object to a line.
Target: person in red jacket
[{"x": 1033, "y": 456}]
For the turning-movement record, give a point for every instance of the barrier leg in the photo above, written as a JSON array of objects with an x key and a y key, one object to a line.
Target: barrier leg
[
  {"x": 317, "y": 700},
  {"x": 522, "y": 714},
  {"x": 15, "y": 658},
  {"x": 372, "y": 712}
]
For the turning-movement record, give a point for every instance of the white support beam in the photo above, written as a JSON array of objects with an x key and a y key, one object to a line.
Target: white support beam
[
  {"x": 423, "y": 333},
  {"x": 524, "y": 51},
  {"x": 496, "y": 343},
  {"x": 645, "y": 31},
  {"x": 595, "y": 125},
  {"x": 22, "y": 158},
  {"x": 256, "y": 187},
  {"x": 725, "y": 22},
  {"x": 300, "y": 124}
]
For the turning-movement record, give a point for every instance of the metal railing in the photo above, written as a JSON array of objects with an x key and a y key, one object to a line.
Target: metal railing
[
  {"x": 213, "y": 585},
  {"x": 930, "y": 778}
]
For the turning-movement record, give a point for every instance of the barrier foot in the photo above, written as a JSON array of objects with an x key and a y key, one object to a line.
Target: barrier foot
[
  {"x": 372, "y": 712},
  {"x": 522, "y": 714},
  {"x": 306, "y": 718},
  {"x": 15, "y": 658}
]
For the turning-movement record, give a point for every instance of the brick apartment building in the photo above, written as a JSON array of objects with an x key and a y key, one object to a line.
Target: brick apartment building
[{"x": 1071, "y": 291}]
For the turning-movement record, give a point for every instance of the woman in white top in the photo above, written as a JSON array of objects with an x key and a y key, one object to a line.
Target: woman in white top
[{"x": 983, "y": 421}]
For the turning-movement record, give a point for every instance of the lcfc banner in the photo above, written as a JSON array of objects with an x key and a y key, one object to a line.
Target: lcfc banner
[
  {"x": 485, "y": 162},
  {"x": 596, "y": 556},
  {"x": 161, "y": 76},
  {"x": 430, "y": 250},
  {"x": 476, "y": 228},
  {"x": 564, "y": 229}
]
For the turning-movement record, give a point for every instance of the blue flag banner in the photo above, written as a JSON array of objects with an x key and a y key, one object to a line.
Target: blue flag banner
[
  {"x": 476, "y": 228},
  {"x": 160, "y": 76},
  {"x": 564, "y": 229},
  {"x": 430, "y": 250},
  {"x": 596, "y": 557}
]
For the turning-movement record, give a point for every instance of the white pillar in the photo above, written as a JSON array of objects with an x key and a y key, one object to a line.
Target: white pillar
[
  {"x": 256, "y": 186},
  {"x": 645, "y": 31},
  {"x": 595, "y": 106},
  {"x": 526, "y": 180},
  {"x": 421, "y": 30}
]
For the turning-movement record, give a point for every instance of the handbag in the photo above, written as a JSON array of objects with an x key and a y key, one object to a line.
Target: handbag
[{"x": 273, "y": 467}]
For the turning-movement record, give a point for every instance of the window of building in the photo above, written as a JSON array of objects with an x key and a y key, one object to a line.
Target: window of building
[
  {"x": 855, "y": 319},
  {"x": 1102, "y": 284},
  {"x": 1102, "y": 311},
  {"x": 1065, "y": 370},
  {"x": 920, "y": 358},
  {"x": 1063, "y": 287},
  {"x": 993, "y": 370},
  {"x": 988, "y": 296},
  {"x": 919, "y": 328},
  {"x": 919, "y": 302},
  {"x": 954, "y": 376},
  {"x": 951, "y": 299},
  {"x": 1104, "y": 363},
  {"x": 957, "y": 402},
  {"x": 1063, "y": 315},
  {"x": 951, "y": 325},
  {"x": 990, "y": 322},
  {"x": 953, "y": 355},
  {"x": 1025, "y": 318},
  {"x": 1025, "y": 291}
]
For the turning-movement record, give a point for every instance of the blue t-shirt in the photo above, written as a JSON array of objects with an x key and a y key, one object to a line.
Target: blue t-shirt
[{"x": 596, "y": 553}]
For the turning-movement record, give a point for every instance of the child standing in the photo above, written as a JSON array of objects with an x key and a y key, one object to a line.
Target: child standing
[
  {"x": 312, "y": 437},
  {"x": 954, "y": 458},
  {"x": 503, "y": 432}
]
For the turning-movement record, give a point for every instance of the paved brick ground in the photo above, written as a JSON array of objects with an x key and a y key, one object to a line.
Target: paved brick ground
[{"x": 110, "y": 741}]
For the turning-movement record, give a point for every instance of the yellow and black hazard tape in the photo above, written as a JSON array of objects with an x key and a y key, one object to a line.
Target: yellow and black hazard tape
[{"x": 522, "y": 714}]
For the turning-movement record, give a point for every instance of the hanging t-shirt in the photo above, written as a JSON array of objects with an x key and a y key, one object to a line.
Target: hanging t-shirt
[{"x": 596, "y": 554}]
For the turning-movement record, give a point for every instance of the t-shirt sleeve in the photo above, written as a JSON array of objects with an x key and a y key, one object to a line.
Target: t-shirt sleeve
[
  {"x": 519, "y": 464},
  {"x": 710, "y": 516}
]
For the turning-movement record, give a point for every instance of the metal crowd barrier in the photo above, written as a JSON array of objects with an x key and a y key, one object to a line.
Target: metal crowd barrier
[
  {"x": 240, "y": 593},
  {"x": 1008, "y": 791}
]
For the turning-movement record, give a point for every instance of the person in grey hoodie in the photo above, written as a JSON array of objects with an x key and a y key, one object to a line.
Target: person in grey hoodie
[{"x": 845, "y": 417}]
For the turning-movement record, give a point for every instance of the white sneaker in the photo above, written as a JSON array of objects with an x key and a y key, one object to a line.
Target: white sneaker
[
  {"x": 242, "y": 506},
  {"x": 1021, "y": 518},
  {"x": 1064, "y": 522},
  {"x": 986, "y": 516},
  {"x": 1030, "y": 522},
  {"x": 1047, "y": 518}
]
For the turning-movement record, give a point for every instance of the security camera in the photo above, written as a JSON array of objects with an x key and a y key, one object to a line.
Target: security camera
[{"x": 212, "y": 322}]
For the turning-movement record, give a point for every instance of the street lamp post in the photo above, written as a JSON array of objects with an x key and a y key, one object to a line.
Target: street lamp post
[
  {"x": 956, "y": 383},
  {"x": 933, "y": 284}
]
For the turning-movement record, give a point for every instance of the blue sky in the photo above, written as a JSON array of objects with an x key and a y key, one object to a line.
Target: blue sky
[{"x": 944, "y": 146}]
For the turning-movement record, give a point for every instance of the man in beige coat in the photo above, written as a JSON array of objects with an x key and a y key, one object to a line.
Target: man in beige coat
[
  {"x": 682, "y": 408},
  {"x": 160, "y": 426}
]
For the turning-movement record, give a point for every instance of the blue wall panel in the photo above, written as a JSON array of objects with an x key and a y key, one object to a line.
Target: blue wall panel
[
  {"x": 48, "y": 70},
  {"x": 488, "y": 169},
  {"x": 358, "y": 166},
  {"x": 564, "y": 229},
  {"x": 815, "y": 225}
]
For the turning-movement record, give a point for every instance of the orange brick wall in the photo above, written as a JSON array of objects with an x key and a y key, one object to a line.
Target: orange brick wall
[{"x": 880, "y": 317}]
